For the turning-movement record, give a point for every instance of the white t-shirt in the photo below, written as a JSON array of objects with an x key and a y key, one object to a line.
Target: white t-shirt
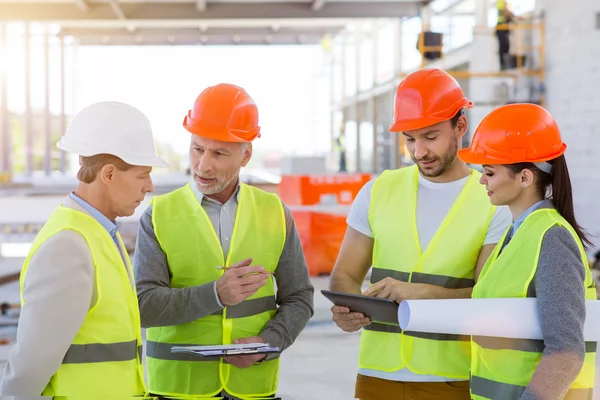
[{"x": 433, "y": 203}]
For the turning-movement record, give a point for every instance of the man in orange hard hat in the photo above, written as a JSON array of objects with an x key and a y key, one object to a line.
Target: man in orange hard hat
[
  {"x": 426, "y": 230},
  {"x": 206, "y": 260}
]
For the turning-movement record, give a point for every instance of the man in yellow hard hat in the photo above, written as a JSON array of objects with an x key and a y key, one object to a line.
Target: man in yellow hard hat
[
  {"x": 79, "y": 330},
  {"x": 206, "y": 260},
  {"x": 426, "y": 230}
]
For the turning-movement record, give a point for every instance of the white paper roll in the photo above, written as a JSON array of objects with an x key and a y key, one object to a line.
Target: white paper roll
[{"x": 509, "y": 318}]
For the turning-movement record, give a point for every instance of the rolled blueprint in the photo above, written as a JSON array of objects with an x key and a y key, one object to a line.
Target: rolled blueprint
[{"x": 509, "y": 318}]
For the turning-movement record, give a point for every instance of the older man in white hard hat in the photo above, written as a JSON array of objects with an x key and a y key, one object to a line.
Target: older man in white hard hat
[{"x": 79, "y": 329}]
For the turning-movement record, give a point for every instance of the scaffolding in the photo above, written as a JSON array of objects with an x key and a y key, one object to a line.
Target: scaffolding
[{"x": 528, "y": 38}]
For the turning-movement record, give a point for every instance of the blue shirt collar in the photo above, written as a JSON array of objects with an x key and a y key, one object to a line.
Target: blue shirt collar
[
  {"x": 522, "y": 217},
  {"x": 109, "y": 225}
]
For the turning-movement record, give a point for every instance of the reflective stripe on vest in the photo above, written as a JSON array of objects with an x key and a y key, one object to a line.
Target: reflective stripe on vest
[
  {"x": 448, "y": 261},
  {"x": 378, "y": 274},
  {"x": 527, "y": 345},
  {"x": 503, "y": 367},
  {"x": 113, "y": 368},
  {"x": 193, "y": 252},
  {"x": 419, "y": 277},
  {"x": 250, "y": 307},
  {"x": 102, "y": 352},
  {"x": 504, "y": 391}
]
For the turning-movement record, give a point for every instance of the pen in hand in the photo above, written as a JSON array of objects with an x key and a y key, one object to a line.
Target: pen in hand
[{"x": 225, "y": 269}]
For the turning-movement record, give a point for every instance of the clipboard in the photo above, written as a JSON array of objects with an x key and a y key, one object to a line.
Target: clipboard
[
  {"x": 226, "y": 350},
  {"x": 382, "y": 311}
]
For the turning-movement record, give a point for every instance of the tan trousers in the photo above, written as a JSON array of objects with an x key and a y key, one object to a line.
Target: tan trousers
[{"x": 368, "y": 388}]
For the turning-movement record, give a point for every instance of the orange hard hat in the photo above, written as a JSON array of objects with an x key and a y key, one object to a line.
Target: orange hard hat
[
  {"x": 427, "y": 97},
  {"x": 515, "y": 133},
  {"x": 224, "y": 112}
]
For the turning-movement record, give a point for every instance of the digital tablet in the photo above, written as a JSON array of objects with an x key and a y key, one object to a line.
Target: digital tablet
[{"x": 383, "y": 311}]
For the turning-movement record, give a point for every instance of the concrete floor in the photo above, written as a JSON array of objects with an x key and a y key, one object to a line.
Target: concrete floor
[{"x": 322, "y": 364}]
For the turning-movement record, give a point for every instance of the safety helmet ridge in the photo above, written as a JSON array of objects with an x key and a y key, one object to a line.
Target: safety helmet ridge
[
  {"x": 114, "y": 128},
  {"x": 224, "y": 112},
  {"x": 427, "y": 97},
  {"x": 515, "y": 133}
]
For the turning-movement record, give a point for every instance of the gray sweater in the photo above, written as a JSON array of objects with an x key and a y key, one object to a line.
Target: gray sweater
[
  {"x": 161, "y": 305},
  {"x": 559, "y": 288}
]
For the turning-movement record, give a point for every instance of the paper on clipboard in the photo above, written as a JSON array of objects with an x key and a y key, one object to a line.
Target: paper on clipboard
[{"x": 226, "y": 349}]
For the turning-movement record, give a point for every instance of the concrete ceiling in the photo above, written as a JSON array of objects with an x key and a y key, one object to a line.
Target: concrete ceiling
[{"x": 139, "y": 22}]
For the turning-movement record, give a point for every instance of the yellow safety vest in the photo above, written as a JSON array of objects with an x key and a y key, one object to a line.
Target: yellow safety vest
[
  {"x": 501, "y": 6},
  {"x": 502, "y": 367},
  {"x": 193, "y": 252},
  {"x": 448, "y": 261},
  {"x": 105, "y": 357}
]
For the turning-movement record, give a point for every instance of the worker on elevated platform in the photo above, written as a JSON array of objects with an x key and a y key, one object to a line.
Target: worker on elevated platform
[
  {"x": 427, "y": 231},
  {"x": 542, "y": 255},
  {"x": 79, "y": 331},
  {"x": 207, "y": 257},
  {"x": 505, "y": 17}
]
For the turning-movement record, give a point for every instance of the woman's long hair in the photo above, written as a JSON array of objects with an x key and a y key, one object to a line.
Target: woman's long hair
[{"x": 561, "y": 190}]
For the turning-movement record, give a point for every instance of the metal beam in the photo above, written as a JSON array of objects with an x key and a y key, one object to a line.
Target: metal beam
[
  {"x": 82, "y": 4},
  {"x": 116, "y": 7},
  {"x": 60, "y": 12},
  {"x": 201, "y": 5},
  {"x": 257, "y": 31},
  {"x": 190, "y": 36},
  {"x": 318, "y": 4},
  {"x": 198, "y": 39}
]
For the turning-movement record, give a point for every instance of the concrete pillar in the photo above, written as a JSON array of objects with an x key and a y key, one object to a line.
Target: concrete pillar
[
  {"x": 484, "y": 59},
  {"x": 28, "y": 123},
  {"x": 47, "y": 116},
  {"x": 358, "y": 117},
  {"x": 376, "y": 148},
  {"x": 398, "y": 47},
  {"x": 5, "y": 139},
  {"x": 63, "y": 116}
]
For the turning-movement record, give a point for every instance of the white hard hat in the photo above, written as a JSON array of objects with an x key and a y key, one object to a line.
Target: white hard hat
[{"x": 112, "y": 128}]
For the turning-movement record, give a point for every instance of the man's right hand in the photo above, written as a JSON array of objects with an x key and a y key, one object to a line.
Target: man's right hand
[
  {"x": 236, "y": 285},
  {"x": 349, "y": 321}
]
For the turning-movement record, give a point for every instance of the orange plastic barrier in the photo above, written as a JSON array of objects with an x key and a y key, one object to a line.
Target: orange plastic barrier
[
  {"x": 321, "y": 189},
  {"x": 321, "y": 234}
]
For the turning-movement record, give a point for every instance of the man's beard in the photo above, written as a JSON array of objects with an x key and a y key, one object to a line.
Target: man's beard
[{"x": 445, "y": 162}]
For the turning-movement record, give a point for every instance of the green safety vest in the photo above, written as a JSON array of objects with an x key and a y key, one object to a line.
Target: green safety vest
[
  {"x": 193, "y": 252},
  {"x": 105, "y": 357},
  {"x": 448, "y": 261},
  {"x": 503, "y": 367}
]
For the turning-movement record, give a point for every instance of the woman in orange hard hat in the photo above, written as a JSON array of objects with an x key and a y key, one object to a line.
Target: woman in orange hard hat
[{"x": 542, "y": 255}]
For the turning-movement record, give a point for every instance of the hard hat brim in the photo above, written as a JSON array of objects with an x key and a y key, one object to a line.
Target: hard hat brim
[
  {"x": 141, "y": 160},
  {"x": 414, "y": 124},
  {"x": 471, "y": 157}
]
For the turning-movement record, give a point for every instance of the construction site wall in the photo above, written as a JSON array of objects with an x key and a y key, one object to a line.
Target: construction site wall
[{"x": 572, "y": 85}]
